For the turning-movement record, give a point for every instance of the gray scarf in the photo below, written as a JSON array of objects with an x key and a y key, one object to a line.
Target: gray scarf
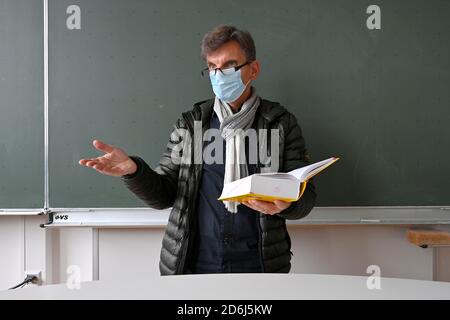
[{"x": 232, "y": 128}]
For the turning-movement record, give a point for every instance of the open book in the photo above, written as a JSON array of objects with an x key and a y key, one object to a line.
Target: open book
[{"x": 274, "y": 186}]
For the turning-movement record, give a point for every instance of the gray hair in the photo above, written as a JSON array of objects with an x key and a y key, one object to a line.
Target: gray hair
[{"x": 222, "y": 34}]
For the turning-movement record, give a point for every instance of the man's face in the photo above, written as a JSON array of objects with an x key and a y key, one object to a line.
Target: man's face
[{"x": 230, "y": 55}]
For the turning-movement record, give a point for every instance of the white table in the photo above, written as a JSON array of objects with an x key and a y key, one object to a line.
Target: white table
[{"x": 240, "y": 286}]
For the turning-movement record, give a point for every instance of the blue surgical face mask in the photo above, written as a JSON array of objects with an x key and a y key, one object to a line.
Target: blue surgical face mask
[{"x": 227, "y": 86}]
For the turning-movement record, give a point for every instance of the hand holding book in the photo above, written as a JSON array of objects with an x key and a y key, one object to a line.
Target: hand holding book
[{"x": 267, "y": 207}]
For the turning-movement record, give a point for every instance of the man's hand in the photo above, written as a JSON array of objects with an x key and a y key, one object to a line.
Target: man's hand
[
  {"x": 115, "y": 162},
  {"x": 267, "y": 207}
]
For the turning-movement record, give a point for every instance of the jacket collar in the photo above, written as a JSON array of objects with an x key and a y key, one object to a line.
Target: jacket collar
[{"x": 270, "y": 110}]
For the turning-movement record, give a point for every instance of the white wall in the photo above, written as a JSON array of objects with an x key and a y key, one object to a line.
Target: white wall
[
  {"x": 24, "y": 245},
  {"x": 11, "y": 251},
  {"x": 76, "y": 248},
  {"x": 128, "y": 252},
  {"x": 351, "y": 249},
  {"x": 121, "y": 253},
  {"x": 317, "y": 249},
  {"x": 442, "y": 271}
]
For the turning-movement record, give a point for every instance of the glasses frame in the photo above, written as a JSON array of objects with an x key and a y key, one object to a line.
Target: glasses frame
[{"x": 206, "y": 71}]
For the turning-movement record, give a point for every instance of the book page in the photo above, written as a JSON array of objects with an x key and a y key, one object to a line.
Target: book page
[
  {"x": 277, "y": 175},
  {"x": 236, "y": 187},
  {"x": 308, "y": 171}
]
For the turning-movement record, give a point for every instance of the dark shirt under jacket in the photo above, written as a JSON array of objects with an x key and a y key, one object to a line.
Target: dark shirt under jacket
[{"x": 225, "y": 242}]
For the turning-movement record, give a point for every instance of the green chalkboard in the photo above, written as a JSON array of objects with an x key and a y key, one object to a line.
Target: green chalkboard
[
  {"x": 21, "y": 104},
  {"x": 378, "y": 98}
]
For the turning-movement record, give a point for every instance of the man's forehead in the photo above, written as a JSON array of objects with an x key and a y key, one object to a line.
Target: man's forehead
[{"x": 228, "y": 52}]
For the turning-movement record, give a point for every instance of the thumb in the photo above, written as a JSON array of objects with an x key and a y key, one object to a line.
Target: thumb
[{"x": 99, "y": 145}]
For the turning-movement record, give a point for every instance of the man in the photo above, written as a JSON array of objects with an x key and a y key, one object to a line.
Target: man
[{"x": 205, "y": 235}]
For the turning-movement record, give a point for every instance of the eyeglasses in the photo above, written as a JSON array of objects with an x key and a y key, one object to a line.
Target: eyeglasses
[{"x": 230, "y": 70}]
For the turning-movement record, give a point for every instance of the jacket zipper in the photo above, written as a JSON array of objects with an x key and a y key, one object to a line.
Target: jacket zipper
[
  {"x": 258, "y": 223},
  {"x": 187, "y": 241},
  {"x": 192, "y": 205}
]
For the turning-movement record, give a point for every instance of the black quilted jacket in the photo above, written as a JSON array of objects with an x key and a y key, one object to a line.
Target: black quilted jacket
[{"x": 175, "y": 184}]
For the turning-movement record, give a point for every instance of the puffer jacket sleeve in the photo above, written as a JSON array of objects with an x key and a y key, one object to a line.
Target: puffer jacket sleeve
[
  {"x": 296, "y": 156},
  {"x": 158, "y": 187}
]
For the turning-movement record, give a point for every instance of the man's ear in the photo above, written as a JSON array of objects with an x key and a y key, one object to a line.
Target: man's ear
[{"x": 255, "y": 69}]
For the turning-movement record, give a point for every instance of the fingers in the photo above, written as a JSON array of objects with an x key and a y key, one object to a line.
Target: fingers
[
  {"x": 91, "y": 162},
  {"x": 83, "y": 162},
  {"x": 267, "y": 207},
  {"x": 101, "y": 167},
  {"x": 98, "y": 166},
  {"x": 262, "y": 206},
  {"x": 108, "y": 170},
  {"x": 99, "y": 145},
  {"x": 248, "y": 204},
  {"x": 282, "y": 204},
  {"x": 88, "y": 163}
]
